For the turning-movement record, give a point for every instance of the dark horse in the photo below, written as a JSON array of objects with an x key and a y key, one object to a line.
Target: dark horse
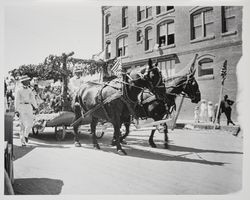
[
  {"x": 156, "y": 106},
  {"x": 113, "y": 102}
]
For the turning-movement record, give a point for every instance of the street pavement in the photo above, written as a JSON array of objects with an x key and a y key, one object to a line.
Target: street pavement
[{"x": 197, "y": 162}]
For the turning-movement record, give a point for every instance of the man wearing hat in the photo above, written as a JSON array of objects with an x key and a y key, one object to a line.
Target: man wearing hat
[
  {"x": 25, "y": 103},
  {"x": 75, "y": 81},
  {"x": 226, "y": 108}
]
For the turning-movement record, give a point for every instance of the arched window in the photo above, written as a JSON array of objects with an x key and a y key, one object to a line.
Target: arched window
[
  {"x": 122, "y": 46},
  {"x": 148, "y": 38},
  {"x": 205, "y": 67},
  {"x": 108, "y": 50},
  {"x": 138, "y": 35},
  {"x": 202, "y": 23},
  {"x": 166, "y": 33},
  {"x": 107, "y": 23}
]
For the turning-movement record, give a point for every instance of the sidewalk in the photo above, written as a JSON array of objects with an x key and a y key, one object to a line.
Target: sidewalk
[{"x": 191, "y": 125}]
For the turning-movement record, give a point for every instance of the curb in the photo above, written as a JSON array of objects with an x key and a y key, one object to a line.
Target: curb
[{"x": 189, "y": 125}]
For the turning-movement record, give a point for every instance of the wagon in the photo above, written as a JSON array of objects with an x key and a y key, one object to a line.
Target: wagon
[{"x": 60, "y": 122}]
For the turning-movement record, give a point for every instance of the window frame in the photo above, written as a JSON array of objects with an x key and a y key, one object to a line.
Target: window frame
[
  {"x": 203, "y": 25},
  {"x": 124, "y": 50},
  {"x": 160, "y": 10},
  {"x": 124, "y": 16},
  {"x": 224, "y": 28},
  {"x": 108, "y": 53},
  {"x": 207, "y": 72},
  {"x": 107, "y": 23},
  {"x": 167, "y": 35},
  {"x": 144, "y": 10},
  {"x": 147, "y": 39},
  {"x": 138, "y": 35}
]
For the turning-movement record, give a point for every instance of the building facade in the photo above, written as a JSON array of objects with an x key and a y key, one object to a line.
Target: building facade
[{"x": 172, "y": 35}]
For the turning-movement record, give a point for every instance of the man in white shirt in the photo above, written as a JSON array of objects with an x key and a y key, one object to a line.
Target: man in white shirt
[
  {"x": 75, "y": 82},
  {"x": 25, "y": 102}
]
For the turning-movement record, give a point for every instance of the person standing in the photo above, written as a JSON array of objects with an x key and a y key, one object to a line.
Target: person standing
[
  {"x": 226, "y": 108},
  {"x": 210, "y": 111},
  {"x": 75, "y": 82},
  {"x": 196, "y": 114},
  {"x": 203, "y": 110},
  {"x": 25, "y": 103}
]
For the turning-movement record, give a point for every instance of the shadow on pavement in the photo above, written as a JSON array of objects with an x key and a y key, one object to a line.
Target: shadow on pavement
[
  {"x": 20, "y": 151},
  {"x": 195, "y": 150},
  {"x": 37, "y": 186}
]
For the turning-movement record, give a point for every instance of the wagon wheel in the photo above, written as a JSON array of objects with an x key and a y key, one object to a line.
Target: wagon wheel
[{"x": 60, "y": 134}]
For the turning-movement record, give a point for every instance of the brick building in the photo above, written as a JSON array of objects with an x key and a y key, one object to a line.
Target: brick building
[{"x": 172, "y": 35}]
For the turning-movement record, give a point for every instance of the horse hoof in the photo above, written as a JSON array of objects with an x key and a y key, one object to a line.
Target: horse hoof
[
  {"x": 121, "y": 152},
  {"x": 97, "y": 147},
  {"x": 113, "y": 142},
  {"x": 153, "y": 145},
  {"x": 78, "y": 144}
]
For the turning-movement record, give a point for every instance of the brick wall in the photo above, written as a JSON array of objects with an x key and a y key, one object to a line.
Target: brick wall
[{"x": 220, "y": 47}]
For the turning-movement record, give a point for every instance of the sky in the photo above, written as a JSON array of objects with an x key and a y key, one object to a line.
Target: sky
[{"x": 34, "y": 31}]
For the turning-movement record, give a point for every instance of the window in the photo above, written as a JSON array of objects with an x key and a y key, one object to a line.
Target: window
[
  {"x": 148, "y": 38},
  {"x": 205, "y": 67},
  {"x": 138, "y": 36},
  {"x": 124, "y": 16},
  {"x": 202, "y": 23},
  {"x": 122, "y": 46},
  {"x": 166, "y": 35},
  {"x": 148, "y": 11},
  {"x": 108, "y": 51},
  {"x": 143, "y": 12},
  {"x": 107, "y": 23},
  {"x": 167, "y": 68},
  {"x": 162, "y": 9},
  {"x": 228, "y": 19}
]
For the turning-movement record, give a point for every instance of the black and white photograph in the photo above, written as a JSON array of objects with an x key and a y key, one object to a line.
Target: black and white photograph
[{"x": 125, "y": 98}]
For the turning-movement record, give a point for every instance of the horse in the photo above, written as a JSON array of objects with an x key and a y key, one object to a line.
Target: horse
[
  {"x": 113, "y": 102},
  {"x": 151, "y": 106}
]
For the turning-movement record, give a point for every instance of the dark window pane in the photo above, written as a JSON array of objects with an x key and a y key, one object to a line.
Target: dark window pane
[
  {"x": 170, "y": 7},
  {"x": 162, "y": 41},
  {"x": 138, "y": 37},
  {"x": 158, "y": 10},
  {"x": 170, "y": 39}
]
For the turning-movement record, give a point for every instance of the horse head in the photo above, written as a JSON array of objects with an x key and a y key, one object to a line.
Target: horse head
[
  {"x": 153, "y": 74},
  {"x": 186, "y": 83}
]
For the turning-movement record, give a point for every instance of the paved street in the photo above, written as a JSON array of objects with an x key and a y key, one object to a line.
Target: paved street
[{"x": 198, "y": 162}]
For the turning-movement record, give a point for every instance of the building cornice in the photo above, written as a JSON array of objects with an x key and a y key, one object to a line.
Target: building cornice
[{"x": 175, "y": 55}]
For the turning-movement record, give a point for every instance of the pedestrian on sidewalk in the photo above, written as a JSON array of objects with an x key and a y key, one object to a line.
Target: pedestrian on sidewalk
[
  {"x": 226, "y": 108},
  {"x": 196, "y": 114},
  {"x": 203, "y": 111},
  {"x": 25, "y": 103},
  {"x": 210, "y": 111}
]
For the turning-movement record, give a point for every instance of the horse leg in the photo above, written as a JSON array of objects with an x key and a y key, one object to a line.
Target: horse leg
[
  {"x": 126, "y": 122},
  {"x": 165, "y": 135},
  {"x": 151, "y": 139},
  {"x": 93, "y": 125},
  {"x": 77, "y": 111},
  {"x": 117, "y": 138}
]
